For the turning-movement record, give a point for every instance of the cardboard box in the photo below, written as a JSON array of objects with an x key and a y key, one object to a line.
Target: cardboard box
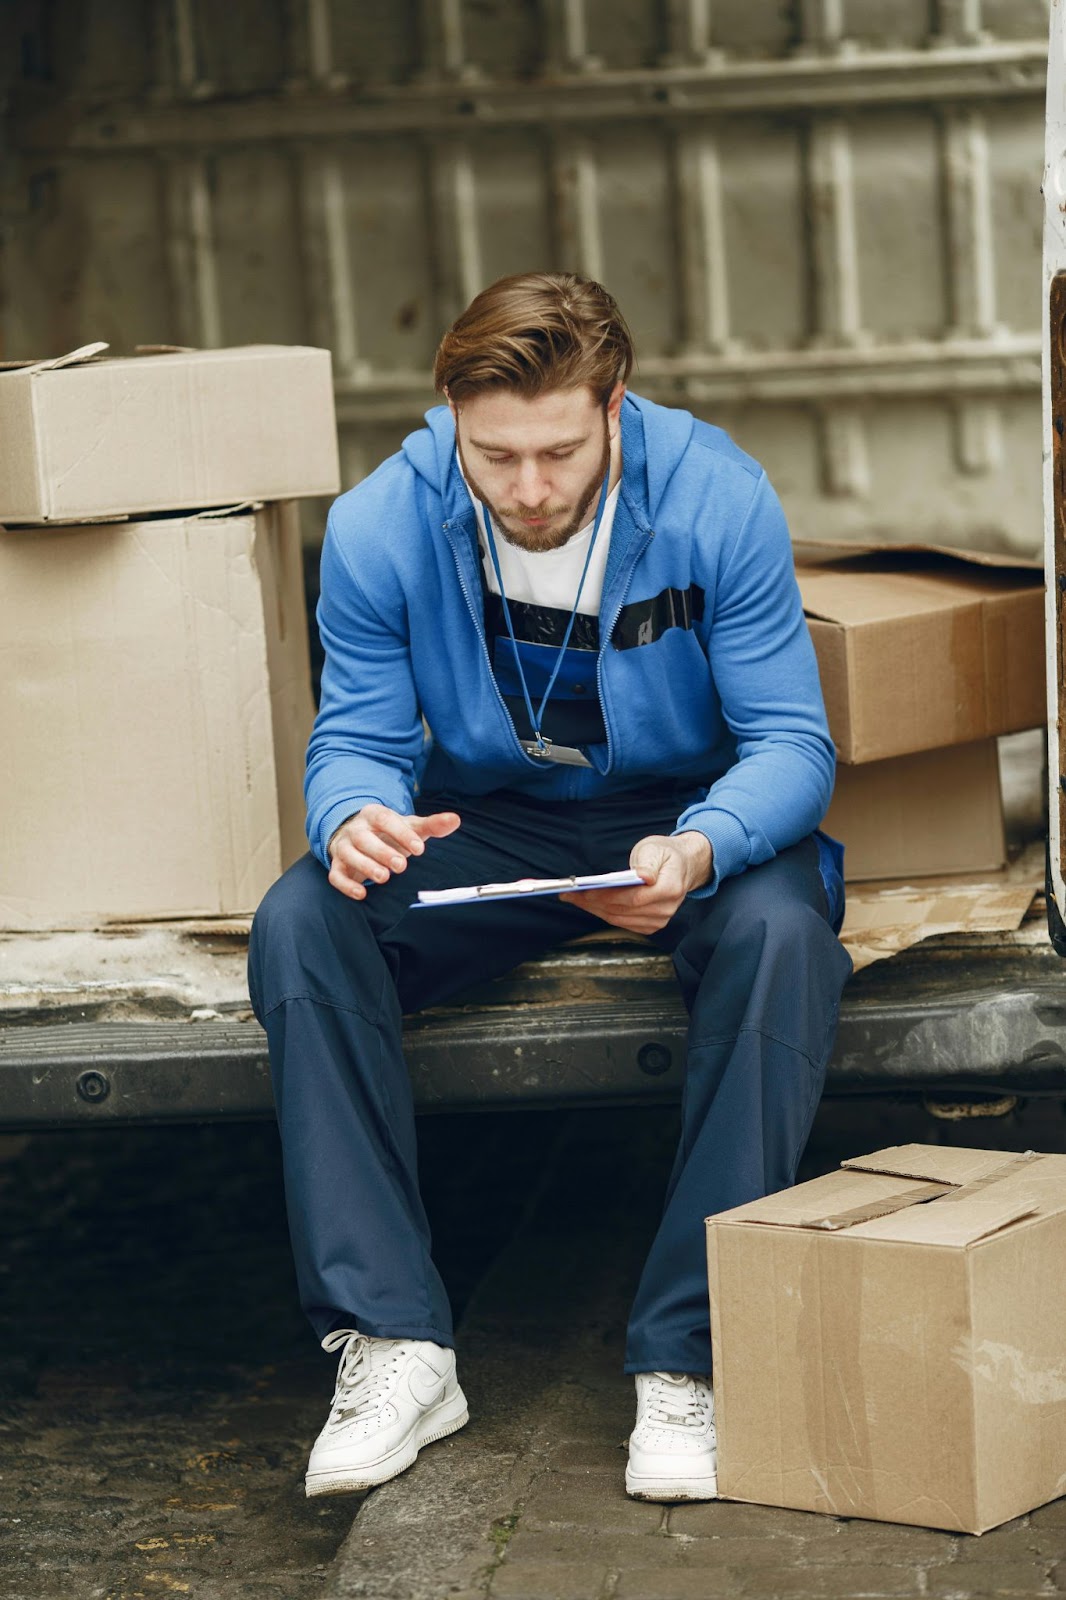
[
  {"x": 918, "y": 816},
  {"x": 920, "y": 647},
  {"x": 890, "y": 1340},
  {"x": 88, "y": 438},
  {"x": 156, "y": 705}
]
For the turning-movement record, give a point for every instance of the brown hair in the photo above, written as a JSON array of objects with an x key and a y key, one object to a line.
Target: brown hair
[{"x": 533, "y": 332}]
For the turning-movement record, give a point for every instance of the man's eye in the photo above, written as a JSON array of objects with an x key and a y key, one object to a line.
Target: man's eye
[
  {"x": 559, "y": 455},
  {"x": 496, "y": 461}
]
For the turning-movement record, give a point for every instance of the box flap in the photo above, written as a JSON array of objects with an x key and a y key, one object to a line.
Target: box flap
[
  {"x": 996, "y": 1190},
  {"x": 834, "y": 1201},
  {"x": 939, "y": 1163},
  {"x": 964, "y": 1195},
  {"x": 942, "y": 1223},
  {"x": 833, "y": 552},
  {"x": 73, "y": 358},
  {"x": 1022, "y": 1185},
  {"x": 239, "y": 508}
]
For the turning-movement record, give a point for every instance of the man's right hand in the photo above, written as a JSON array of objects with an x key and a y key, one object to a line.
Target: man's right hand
[{"x": 377, "y": 842}]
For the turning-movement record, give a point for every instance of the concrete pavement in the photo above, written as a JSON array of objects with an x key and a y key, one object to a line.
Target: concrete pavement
[
  {"x": 159, "y": 1387},
  {"x": 159, "y": 1390},
  {"x": 527, "y": 1503}
]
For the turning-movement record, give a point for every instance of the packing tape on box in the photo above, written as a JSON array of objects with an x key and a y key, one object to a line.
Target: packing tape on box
[{"x": 919, "y": 1195}]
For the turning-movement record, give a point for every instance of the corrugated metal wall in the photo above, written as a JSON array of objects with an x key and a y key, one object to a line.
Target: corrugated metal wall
[{"x": 822, "y": 217}]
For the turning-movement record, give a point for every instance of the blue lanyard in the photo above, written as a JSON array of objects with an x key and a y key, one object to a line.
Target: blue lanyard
[{"x": 535, "y": 721}]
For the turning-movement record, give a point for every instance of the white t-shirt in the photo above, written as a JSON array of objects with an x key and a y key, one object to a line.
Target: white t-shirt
[{"x": 551, "y": 577}]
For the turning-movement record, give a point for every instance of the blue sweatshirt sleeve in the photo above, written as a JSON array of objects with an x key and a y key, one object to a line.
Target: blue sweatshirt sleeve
[
  {"x": 368, "y": 734},
  {"x": 764, "y": 666}
]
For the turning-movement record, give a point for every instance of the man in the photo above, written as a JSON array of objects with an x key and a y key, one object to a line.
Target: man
[{"x": 589, "y": 600}]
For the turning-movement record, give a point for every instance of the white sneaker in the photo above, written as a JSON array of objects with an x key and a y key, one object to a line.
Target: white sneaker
[
  {"x": 392, "y": 1397},
  {"x": 673, "y": 1450}
]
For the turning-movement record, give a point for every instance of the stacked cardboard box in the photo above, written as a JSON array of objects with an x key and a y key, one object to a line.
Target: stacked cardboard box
[
  {"x": 926, "y": 655},
  {"x": 155, "y": 691}
]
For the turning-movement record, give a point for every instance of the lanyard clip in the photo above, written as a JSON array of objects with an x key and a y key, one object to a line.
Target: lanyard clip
[{"x": 542, "y": 749}]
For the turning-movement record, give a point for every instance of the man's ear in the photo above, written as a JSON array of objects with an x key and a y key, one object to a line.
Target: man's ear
[
  {"x": 614, "y": 406},
  {"x": 452, "y": 407}
]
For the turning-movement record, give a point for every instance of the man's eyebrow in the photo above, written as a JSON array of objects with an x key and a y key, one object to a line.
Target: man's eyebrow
[
  {"x": 557, "y": 444},
  {"x": 560, "y": 444}
]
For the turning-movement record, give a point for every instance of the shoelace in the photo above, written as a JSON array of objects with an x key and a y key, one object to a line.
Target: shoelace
[
  {"x": 677, "y": 1400},
  {"x": 363, "y": 1380}
]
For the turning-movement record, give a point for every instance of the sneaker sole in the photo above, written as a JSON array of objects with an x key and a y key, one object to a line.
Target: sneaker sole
[
  {"x": 446, "y": 1417},
  {"x": 639, "y": 1488}
]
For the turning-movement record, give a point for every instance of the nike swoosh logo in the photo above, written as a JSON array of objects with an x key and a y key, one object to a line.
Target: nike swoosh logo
[{"x": 426, "y": 1388}]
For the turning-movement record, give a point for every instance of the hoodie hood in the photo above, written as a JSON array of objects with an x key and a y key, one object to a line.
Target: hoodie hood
[
  {"x": 431, "y": 452},
  {"x": 654, "y": 440}
]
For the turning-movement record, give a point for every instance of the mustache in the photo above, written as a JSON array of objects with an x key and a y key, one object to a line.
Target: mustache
[{"x": 541, "y": 513}]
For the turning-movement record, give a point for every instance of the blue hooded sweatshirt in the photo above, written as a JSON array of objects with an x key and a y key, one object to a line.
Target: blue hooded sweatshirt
[{"x": 706, "y": 670}]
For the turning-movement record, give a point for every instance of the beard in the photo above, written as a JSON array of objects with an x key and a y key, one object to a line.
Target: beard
[{"x": 508, "y": 521}]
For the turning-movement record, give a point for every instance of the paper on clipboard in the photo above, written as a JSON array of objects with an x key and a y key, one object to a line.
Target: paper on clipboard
[{"x": 523, "y": 888}]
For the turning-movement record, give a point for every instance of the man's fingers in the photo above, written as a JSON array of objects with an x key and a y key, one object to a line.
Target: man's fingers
[
  {"x": 364, "y": 856},
  {"x": 649, "y": 860},
  {"x": 340, "y": 879},
  {"x": 377, "y": 842},
  {"x": 407, "y": 833},
  {"x": 644, "y": 910},
  {"x": 405, "y": 836},
  {"x": 600, "y": 900},
  {"x": 437, "y": 825},
  {"x": 631, "y": 921},
  {"x": 389, "y": 838},
  {"x": 399, "y": 833},
  {"x": 618, "y": 909}
]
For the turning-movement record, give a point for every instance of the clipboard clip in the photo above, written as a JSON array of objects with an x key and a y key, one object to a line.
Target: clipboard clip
[{"x": 495, "y": 891}]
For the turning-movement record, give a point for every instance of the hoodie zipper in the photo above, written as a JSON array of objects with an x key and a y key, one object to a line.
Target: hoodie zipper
[
  {"x": 605, "y": 640},
  {"x": 479, "y": 625}
]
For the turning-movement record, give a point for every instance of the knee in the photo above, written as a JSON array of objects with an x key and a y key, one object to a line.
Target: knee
[
  {"x": 775, "y": 969},
  {"x": 288, "y": 903},
  {"x": 291, "y": 930},
  {"x": 757, "y": 935},
  {"x": 790, "y": 934},
  {"x": 787, "y": 924}
]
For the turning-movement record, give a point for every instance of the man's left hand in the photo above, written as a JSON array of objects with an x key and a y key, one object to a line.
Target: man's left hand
[{"x": 671, "y": 866}]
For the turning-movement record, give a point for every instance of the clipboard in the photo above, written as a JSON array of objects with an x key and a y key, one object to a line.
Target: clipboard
[{"x": 524, "y": 889}]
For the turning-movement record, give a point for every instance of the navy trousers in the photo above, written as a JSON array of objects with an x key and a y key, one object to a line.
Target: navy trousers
[{"x": 761, "y": 972}]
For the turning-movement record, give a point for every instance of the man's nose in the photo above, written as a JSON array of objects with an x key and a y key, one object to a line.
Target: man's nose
[{"x": 530, "y": 486}]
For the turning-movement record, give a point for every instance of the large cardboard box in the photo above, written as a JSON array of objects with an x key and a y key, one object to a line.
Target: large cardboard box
[
  {"x": 85, "y": 439},
  {"x": 890, "y": 1340},
  {"x": 920, "y": 647},
  {"x": 155, "y": 703},
  {"x": 919, "y": 816}
]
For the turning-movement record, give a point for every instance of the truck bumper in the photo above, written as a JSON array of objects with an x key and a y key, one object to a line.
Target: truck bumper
[{"x": 595, "y": 1022}]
